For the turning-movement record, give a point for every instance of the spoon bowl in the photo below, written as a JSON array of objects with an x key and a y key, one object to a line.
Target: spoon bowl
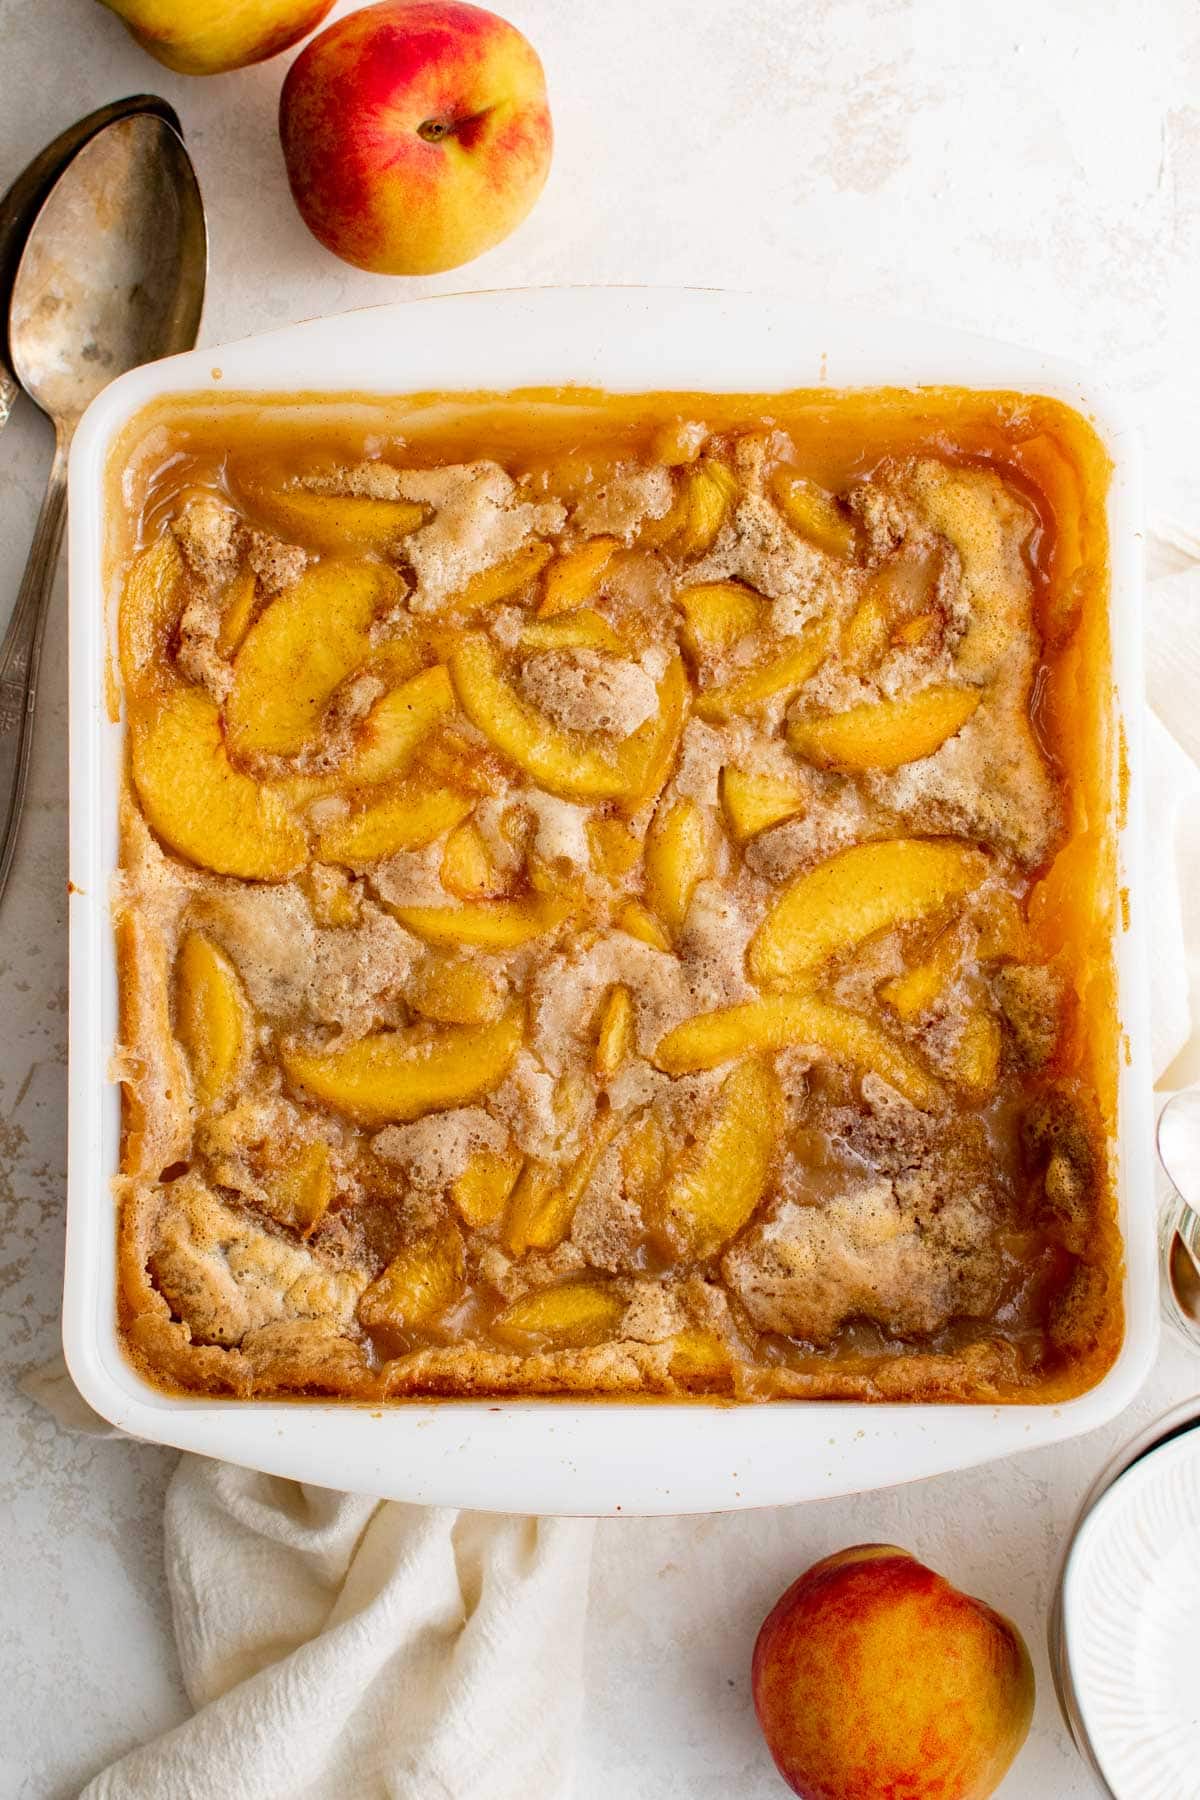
[
  {"x": 112, "y": 276},
  {"x": 1179, "y": 1153}
]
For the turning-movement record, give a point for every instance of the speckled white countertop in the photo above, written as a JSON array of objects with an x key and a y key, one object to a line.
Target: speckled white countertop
[{"x": 1027, "y": 170}]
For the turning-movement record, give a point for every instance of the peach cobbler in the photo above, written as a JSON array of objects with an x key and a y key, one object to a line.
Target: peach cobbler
[{"x": 616, "y": 897}]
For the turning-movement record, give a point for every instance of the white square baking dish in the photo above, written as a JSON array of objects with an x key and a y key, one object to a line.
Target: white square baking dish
[{"x": 558, "y": 1456}]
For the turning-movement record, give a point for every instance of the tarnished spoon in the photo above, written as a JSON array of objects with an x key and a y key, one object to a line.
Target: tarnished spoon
[
  {"x": 19, "y": 207},
  {"x": 112, "y": 276},
  {"x": 1179, "y": 1153}
]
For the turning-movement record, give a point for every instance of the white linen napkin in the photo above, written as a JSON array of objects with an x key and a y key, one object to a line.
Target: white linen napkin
[{"x": 336, "y": 1646}]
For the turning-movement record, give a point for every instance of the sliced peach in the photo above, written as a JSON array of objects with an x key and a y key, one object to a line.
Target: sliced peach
[
  {"x": 717, "y": 615},
  {"x": 482, "y": 1190},
  {"x": 300, "y": 1188},
  {"x": 387, "y": 739},
  {"x": 642, "y": 1152},
  {"x": 698, "y": 1356},
  {"x": 393, "y": 1076},
  {"x": 884, "y": 734},
  {"x": 855, "y": 893},
  {"x": 977, "y": 1053},
  {"x": 299, "y": 651},
  {"x": 574, "y": 577},
  {"x": 570, "y": 1315},
  {"x": 753, "y": 802},
  {"x": 783, "y": 672},
  {"x": 915, "y": 630},
  {"x": 488, "y": 924},
  {"x": 921, "y": 985},
  {"x": 404, "y": 817},
  {"x": 867, "y": 632},
  {"x": 333, "y": 898},
  {"x": 716, "y": 1184},
  {"x": 417, "y": 1285},
  {"x": 151, "y": 602},
  {"x": 504, "y": 580},
  {"x": 544, "y": 1200},
  {"x": 679, "y": 851},
  {"x": 237, "y": 610},
  {"x": 614, "y": 1038},
  {"x": 778, "y": 1020},
  {"x": 211, "y": 1018},
  {"x": 449, "y": 758},
  {"x": 334, "y": 524},
  {"x": 455, "y": 991},
  {"x": 614, "y": 848},
  {"x": 814, "y": 513},
  {"x": 585, "y": 629},
  {"x": 641, "y": 923},
  {"x": 707, "y": 492},
  {"x": 563, "y": 762},
  {"x": 467, "y": 868},
  {"x": 202, "y": 807}
]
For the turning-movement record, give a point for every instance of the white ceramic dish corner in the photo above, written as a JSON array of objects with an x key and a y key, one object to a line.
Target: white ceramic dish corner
[{"x": 559, "y": 1457}]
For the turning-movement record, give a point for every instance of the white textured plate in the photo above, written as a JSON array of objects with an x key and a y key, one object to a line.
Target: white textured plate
[{"x": 1131, "y": 1612}]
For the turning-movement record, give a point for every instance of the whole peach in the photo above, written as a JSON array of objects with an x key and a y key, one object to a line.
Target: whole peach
[
  {"x": 875, "y": 1679},
  {"x": 416, "y": 134},
  {"x": 200, "y": 37}
]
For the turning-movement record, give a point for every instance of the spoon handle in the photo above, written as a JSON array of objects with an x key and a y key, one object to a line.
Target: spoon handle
[{"x": 20, "y": 655}]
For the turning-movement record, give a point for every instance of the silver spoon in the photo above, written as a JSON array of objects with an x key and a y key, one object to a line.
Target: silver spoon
[
  {"x": 112, "y": 276},
  {"x": 1179, "y": 1153},
  {"x": 19, "y": 206}
]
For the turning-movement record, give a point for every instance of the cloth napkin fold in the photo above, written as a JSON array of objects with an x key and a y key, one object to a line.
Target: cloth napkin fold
[{"x": 336, "y": 1646}]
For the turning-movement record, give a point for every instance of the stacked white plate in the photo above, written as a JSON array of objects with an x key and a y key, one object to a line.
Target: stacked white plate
[{"x": 1125, "y": 1632}]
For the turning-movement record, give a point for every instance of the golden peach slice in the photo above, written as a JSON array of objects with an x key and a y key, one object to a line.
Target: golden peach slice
[
  {"x": 574, "y": 577},
  {"x": 452, "y": 990},
  {"x": 719, "y": 1180},
  {"x": 814, "y": 513},
  {"x": 854, "y": 894},
  {"x": 562, "y": 762},
  {"x": 300, "y": 1188},
  {"x": 299, "y": 651},
  {"x": 615, "y": 850},
  {"x": 331, "y": 894},
  {"x": 199, "y": 805},
  {"x": 482, "y": 1190},
  {"x": 706, "y": 495},
  {"x": 585, "y": 629},
  {"x": 781, "y": 673},
  {"x": 418, "y": 1285},
  {"x": 211, "y": 1020},
  {"x": 487, "y": 924},
  {"x": 778, "y": 1020},
  {"x": 387, "y": 739},
  {"x": 884, "y": 734},
  {"x": 237, "y": 610},
  {"x": 698, "y": 1356},
  {"x": 504, "y": 580},
  {"x": 544, "y": 1200},
  {"x": 406, "y": 817},
  {"x": 915, "y": 630},
  {"x": 866, "y": 633},
  {"x": 977, "y": 1053},
  {"x": 334, "y": 524},
  {"x": 752, "y": 802},
  {"x": 614, "y": 1039},
  {"x": 571, "y": 1315},
  {"x": 924, "y": 983},
  {"x": 642, "y": 1153},
  {"x": 467, "y": 869},
  {"x": 641, "y": 923},
  {"x": 717, "y": 615},
  {"x": 393, "y": 1076},
  {"x": 152, "y": 600},
  {"x": 679, "y": 851}
]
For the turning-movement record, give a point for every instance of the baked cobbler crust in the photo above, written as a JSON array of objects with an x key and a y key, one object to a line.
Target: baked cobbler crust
[{"x": 616, "y": 898}]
